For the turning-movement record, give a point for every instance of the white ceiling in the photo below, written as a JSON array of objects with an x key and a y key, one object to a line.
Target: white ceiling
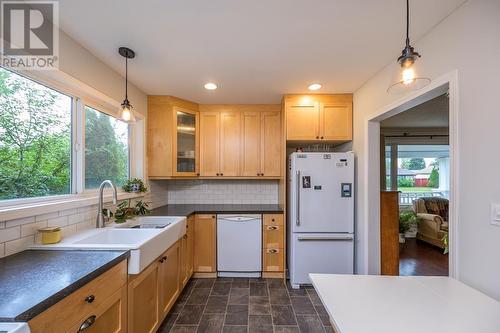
[
  {"x": 431, "y": 114},
  {"x": 256, "y": 50}
]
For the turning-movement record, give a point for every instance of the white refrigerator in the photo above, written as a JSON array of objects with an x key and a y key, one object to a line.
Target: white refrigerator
[{"x": 320, "y": 215}]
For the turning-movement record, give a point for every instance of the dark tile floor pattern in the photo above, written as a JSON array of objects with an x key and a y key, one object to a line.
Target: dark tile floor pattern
[{"x": 246, "y": 305}]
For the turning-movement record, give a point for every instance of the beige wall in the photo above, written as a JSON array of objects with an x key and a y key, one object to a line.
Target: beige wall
[
  {"x": 79, "y": 63},
  {"x": 466, "y": 41}
]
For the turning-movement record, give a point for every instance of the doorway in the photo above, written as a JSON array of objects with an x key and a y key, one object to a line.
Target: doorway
[
  {"x": 442, "y": 85},
  {"x": 415, "y": 160}
]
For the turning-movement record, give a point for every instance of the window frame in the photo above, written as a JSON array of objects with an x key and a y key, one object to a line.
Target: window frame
[{"x": 82, "y": 95}]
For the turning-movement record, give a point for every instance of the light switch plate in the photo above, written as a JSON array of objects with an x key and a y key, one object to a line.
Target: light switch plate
[{"x": 495, "y": 214}]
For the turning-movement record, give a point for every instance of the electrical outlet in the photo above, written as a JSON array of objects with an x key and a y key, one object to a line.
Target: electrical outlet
[{"x": 495, "y": 214}]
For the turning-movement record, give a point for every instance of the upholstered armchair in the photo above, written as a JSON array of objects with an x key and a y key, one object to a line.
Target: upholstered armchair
[{"x": 432, "y": 214}]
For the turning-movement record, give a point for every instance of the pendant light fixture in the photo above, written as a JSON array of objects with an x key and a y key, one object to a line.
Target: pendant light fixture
[
  {"x": 127, "y": 114},
  {"x": 407, "y": 76}
]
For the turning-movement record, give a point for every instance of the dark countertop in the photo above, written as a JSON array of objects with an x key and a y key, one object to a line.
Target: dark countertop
[
  {"x": 32, "y": 281},
  {"x": 186, "y": 210}
]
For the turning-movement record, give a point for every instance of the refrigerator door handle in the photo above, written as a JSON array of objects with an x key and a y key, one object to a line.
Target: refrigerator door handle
[
  {"x": 297, "y": 222},
  {"x": 330, "y": 238}
]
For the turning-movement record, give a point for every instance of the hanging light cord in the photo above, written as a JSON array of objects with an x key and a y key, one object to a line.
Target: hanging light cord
[
  {"x": 126, "y": 78},
  {"x": 407, "y": 22}
]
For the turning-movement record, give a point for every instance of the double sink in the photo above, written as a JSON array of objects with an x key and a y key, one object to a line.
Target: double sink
[{"x": 145, "y": 237}]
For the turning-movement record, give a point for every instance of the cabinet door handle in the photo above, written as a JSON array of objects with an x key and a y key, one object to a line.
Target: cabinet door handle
[
  {"x": 198, "y": 174},
  {"x": 163, "y": 259},
  {"x": 272, "y": 228},
  {"x": 217, "y": 174},
  {"x": 87, "y": 323},
  {"x": 222, "y": 174},
  {"x": 321, "y": 138},
  {"x": 185, "y": 236},
  {"x": 317, "y": 137},
  {"x": 90, "y": 298},
  {"x": 272, "y": 251}
]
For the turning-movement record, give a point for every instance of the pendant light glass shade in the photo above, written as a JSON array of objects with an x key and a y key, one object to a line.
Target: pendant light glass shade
[
  {"x": 407, "y": 76},
  {"x": 127, "y": 114}
]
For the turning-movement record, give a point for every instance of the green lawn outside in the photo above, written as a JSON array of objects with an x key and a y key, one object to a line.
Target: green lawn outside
[{"x": 415, "y": 189}]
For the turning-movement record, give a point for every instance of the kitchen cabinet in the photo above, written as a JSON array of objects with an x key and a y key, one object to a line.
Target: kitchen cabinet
[
  {"x": 205, "y": 243},
  {"x": 101, "y": 303},
  {"x": 261, "y": 144},
  {"x": 318, "y": 117},
  {"x": 219, "y": 140},
  {"x": 230, "y": 129},
  {"x": 169, "y": 278},
  {"x": 143, "y": 300},
  {"x": 173, "y": 137},
  {"x": 189, "y": 253},
  {"x": 273, "y": 251},
  {"x": 209, "y": 143}
]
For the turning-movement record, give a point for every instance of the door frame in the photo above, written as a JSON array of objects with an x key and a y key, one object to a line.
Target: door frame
[{"x": 371, "y": 126}]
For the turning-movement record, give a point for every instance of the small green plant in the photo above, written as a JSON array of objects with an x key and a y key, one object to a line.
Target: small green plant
[
  {"x": 141, "y": 208},
  {"x": 123, "y": 212},
  {"x": 445, "y": 242},
  {"x": 134, "y": 185},
  {"x": 407, "y": 219},
  {"x": 406, "y": 182}
]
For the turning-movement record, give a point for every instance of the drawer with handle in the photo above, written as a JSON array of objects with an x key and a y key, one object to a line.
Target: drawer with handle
[
  {"x": 63, "y": 315},
  {"x": 109, "y": 317},
  {"x": 273, "y": 219},
  {"x": 272, "y": 236},
  {"x": 273, "y": 260}
]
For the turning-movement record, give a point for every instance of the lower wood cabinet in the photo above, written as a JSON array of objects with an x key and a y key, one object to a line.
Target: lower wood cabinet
[
  {"x": 187, "y": 252},
  {"x": 143, "y": 300},
  {"x": 205, "y": 243},
  {"x": 169, "y": 279},
  {"x": 273, "y": 236},
  {"x": 109, "y": 317},
  {"x": 100, "y": 306}
]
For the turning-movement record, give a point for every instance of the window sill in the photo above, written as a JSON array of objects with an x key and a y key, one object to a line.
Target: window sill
[{"x": 43, "y": 207}]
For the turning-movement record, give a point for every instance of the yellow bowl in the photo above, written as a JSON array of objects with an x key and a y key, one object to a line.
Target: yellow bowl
[{"x": 50, "y": 235}]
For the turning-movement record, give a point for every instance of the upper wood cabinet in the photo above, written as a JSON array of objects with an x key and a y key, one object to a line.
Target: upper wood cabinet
[
  {"x": 240, "y": 141},
  {"x": 230, "y": 129},
  {"x": 173, "y": 137},
  {"x": 318, "y": 117},
  {"x": 219, "y": 140}
]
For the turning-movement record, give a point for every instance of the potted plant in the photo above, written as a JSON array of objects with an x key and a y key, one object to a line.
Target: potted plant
[
  {"x": 445, "y": 242},
  {"x": 407, "y": 219},
  {"x": 124, "y": 211},
  {"x": 134, "y": 185}
]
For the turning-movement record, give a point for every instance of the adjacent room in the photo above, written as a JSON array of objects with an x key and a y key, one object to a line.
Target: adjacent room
[{"x": 249, "y": 166}]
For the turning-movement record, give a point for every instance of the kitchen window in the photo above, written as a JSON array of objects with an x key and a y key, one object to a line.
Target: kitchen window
[
  {"x": 106, "y": 149},
  {"x": 35, "y": 139},
  {"x": 56, "y": 144}
]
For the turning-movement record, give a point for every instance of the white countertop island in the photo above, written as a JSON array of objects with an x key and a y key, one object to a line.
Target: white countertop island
[{"x": 410, "y": 304}]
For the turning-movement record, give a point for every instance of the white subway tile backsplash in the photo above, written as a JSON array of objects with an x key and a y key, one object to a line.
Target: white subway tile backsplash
[
  {"x": 58, "y": 221},
  {"x": 45, "y": 217},
  {"x": 8, "y": 234},
  {"x": 16, "y": 222},
  {"x": 220, "y": 192},
  {"x": 18, "y": 245},
  {"x": 32, "y": 228}
]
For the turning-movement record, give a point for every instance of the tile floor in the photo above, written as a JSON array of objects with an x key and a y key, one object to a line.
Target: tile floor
[{"x": 246, "y": 305}]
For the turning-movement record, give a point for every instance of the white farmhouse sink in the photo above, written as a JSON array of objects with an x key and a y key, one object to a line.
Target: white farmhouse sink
[
  {"x": 145, "y": 244},
  {"x": 129, "y": 238},
  {"x": 14, "y": 328}
]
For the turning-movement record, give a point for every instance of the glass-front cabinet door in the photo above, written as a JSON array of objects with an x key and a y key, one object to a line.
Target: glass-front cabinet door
[{"x": 186, "y": 142}]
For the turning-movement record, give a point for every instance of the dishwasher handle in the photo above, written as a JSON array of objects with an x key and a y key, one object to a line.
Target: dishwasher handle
[{"x": 240, "y": 218}]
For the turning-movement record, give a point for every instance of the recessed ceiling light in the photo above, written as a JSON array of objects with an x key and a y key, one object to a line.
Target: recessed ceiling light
[
  {"x": 314, "y": 86},
  {"x": 210, "y": 86}
]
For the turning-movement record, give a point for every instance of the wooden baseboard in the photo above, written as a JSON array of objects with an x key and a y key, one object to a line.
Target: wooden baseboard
[
  {"x": 204, "y": 275},
  {"x": 272, "y": 275}
]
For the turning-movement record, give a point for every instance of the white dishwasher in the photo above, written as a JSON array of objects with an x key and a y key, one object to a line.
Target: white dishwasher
[{"x": 239, "y": 245}]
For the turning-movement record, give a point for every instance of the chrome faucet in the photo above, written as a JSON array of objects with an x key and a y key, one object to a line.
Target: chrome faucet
[{"x": 99, "y": 223}]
